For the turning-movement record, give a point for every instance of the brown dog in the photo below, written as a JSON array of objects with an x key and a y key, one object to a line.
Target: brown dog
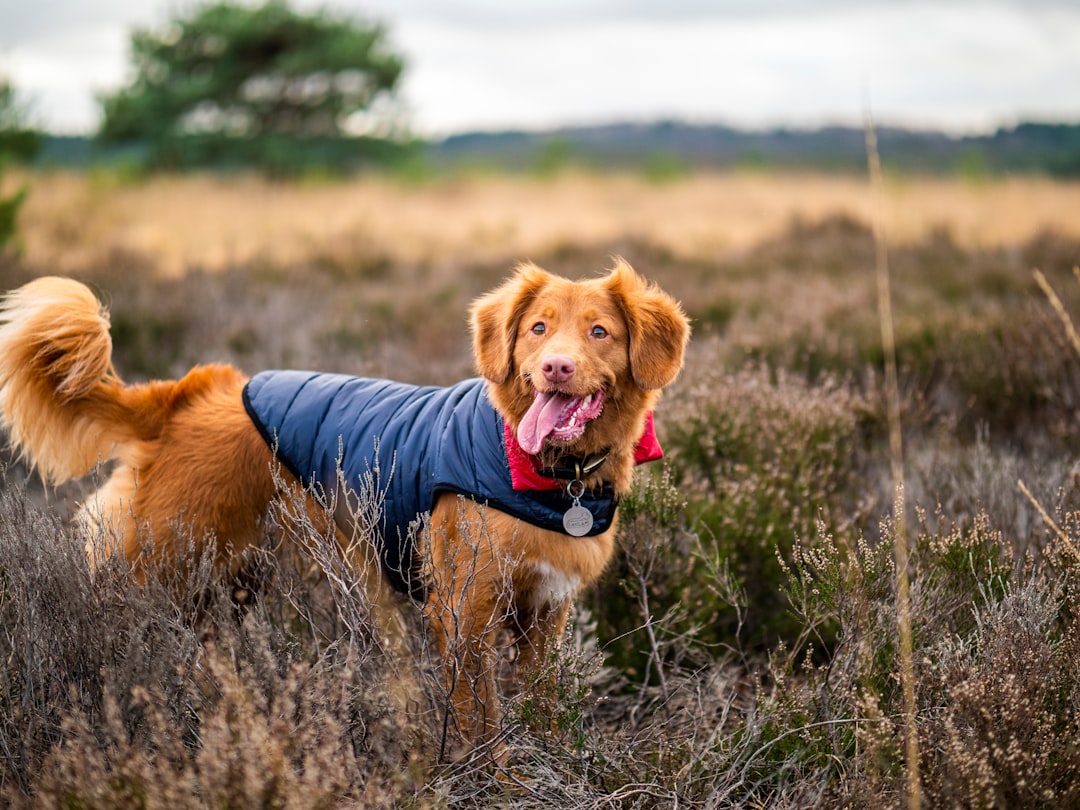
[{"x": 572, "y": 371}]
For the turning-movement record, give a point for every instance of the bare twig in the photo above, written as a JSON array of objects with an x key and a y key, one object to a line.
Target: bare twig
[{"x": 654, "y": 646}]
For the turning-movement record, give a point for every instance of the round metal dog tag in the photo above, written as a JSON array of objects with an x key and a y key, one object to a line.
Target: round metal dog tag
[{"x": 577, "y": 521}]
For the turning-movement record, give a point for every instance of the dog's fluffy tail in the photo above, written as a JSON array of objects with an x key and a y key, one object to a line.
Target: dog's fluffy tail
[{"x": 60, "y": 399}]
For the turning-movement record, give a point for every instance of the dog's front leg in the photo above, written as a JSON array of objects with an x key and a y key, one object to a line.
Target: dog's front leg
[
  {"x": 468, "y": 598},
  {"x": 538, "y": 628},
  {"x": 468, "y": 659},
  {"x": 535, "y": 677}
]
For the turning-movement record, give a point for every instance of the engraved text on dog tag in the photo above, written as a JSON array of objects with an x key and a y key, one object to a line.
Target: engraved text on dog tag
[{"x": 577, "y": 521}]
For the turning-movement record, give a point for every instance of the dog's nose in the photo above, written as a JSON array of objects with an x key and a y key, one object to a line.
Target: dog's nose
[{"x": 558, "y": 368}]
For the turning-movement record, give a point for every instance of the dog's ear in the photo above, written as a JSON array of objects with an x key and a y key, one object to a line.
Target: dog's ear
[
  {"x": 659, "y": 329},
  {"x": 495, "y": 320}
]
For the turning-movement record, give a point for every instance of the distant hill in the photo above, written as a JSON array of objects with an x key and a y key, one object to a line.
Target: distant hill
[
  {"x": 77, "y": 151},
  {"x": 672, "y": 146},
  {"x": 1052, "y": 149}
]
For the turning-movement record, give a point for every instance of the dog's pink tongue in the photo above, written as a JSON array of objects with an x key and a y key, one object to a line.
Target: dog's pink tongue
[{"x": 541, "y": 418}]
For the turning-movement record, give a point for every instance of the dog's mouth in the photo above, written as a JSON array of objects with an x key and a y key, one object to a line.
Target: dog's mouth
[{"x": 557, "y": 416}]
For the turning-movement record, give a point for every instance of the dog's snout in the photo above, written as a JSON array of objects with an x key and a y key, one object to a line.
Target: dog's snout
[{"x": 558, "y": 368}]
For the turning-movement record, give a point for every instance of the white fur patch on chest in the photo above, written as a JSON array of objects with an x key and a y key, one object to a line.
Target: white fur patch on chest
[{"x": 553, "y": 587}]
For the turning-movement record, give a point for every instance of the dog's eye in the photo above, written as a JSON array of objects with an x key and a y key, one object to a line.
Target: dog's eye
[
  {"x": 539, "y": 328},
  {"x": 599, "y": 332}
]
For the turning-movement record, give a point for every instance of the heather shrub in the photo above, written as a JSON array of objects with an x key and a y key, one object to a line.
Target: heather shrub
[
  {"x": 958, "y": 480},
  {"x": 817, "y": 720},
  {"x": 640, "y": 604},
  {"x": 995, "y": 660},
  {"x": 758, "y": 458},
  {"x": 1010, "y": 372},
  {"x": 1002, "y": 704},
  {"x": 165, "y": 693}
]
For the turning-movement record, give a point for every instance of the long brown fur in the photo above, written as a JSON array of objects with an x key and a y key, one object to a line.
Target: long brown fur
[{"x": 189, "y": 463}]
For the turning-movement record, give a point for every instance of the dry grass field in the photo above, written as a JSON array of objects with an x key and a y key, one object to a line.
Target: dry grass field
[
  {"x": 743, "y": 649},
  {"x": 73, "y": 221}
]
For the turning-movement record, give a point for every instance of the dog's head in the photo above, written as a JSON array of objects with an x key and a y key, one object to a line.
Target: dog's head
[{"x": 574, "y": 366}]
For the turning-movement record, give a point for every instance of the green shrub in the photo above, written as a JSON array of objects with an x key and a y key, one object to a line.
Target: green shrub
[
  {"x": 760, "y": 460},
  {"x": 994, "y": 653},
  {"x": 9, "y": 209},
  {"x": 17, "y": 144}
]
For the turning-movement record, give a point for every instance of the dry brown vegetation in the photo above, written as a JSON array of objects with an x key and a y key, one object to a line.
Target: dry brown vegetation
[
  {"x": 742, "y": 650},
  {"x": 73, "y": 221}
]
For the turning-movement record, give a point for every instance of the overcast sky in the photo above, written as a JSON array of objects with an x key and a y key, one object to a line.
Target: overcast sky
[{"x": 497, "y": 64}]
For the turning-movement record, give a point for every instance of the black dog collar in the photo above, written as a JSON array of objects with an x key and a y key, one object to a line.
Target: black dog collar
[{"x": 574, "y": 468}]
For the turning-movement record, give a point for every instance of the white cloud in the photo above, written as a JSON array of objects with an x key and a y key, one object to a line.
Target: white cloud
[
  {"x": 60, "y": 73},
  {"x": 491, "y": 64},
  {"x": 953, "y": 66}
]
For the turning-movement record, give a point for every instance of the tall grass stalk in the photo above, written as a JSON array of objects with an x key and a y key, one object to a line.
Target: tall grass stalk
[
  {"x": 1074, "y": 339},
  {"x": 1059, "y": 308},
  {"x": 896, "y": 461},
  {"x": 1066, "y": 543}
]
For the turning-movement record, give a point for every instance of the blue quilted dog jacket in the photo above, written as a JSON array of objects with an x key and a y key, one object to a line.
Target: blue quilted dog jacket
[{"x": 423, "y": 440}]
